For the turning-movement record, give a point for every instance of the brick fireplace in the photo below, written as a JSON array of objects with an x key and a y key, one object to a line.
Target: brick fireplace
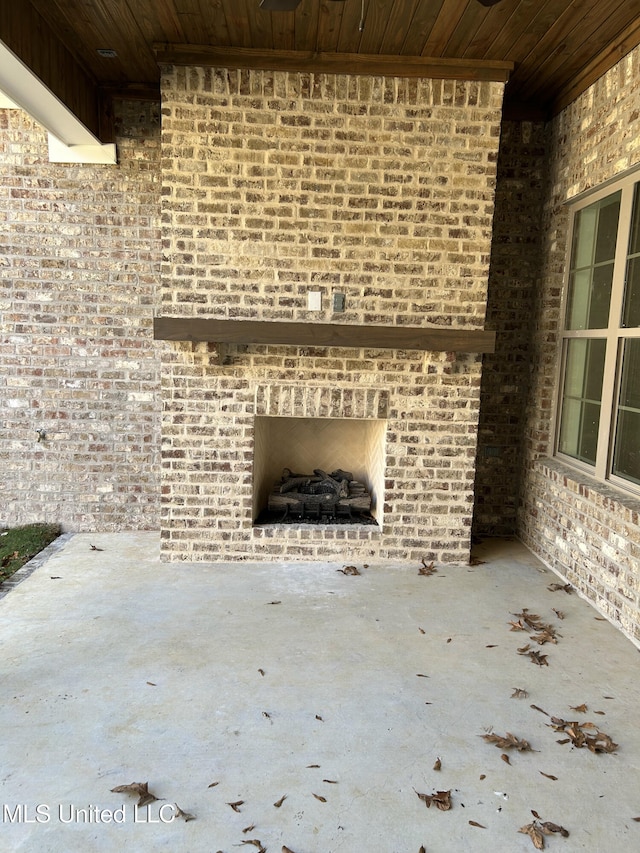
[{"x": 371, "y": 200}]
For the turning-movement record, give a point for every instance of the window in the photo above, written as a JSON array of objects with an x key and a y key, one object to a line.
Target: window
[{"x": 599, "y": 406}]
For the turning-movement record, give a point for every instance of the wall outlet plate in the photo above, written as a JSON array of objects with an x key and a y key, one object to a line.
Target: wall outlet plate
[{"x": 314, "y": 300}]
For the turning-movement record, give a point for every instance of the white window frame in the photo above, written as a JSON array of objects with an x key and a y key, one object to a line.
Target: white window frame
[{"x": 614, "y": 335}]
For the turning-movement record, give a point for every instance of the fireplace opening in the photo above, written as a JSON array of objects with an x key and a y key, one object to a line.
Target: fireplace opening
[{"x": 318, "y": 470}]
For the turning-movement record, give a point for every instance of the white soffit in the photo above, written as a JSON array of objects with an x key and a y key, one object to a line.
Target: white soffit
[{"x": 69, "y": 140}]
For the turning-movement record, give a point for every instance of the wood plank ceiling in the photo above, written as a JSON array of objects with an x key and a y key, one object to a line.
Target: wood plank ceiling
[{"x": 557, "y": 48}]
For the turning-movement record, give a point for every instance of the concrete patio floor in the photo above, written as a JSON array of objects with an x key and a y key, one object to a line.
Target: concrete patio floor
[{"x": 291, "y": 680}]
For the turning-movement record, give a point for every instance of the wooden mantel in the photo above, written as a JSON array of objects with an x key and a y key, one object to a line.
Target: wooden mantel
[{"x": 323, "y": 334}]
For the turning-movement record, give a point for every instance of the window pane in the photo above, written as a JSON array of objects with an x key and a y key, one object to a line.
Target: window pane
[
  {"x": 626, "y": 454},
  {"x": 592, "y": 256},
  {"x": 631, "y": 309},
  {"x": 580, "y": 415}
]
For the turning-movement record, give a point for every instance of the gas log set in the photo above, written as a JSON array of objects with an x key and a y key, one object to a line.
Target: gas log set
[{"x": 319, "y": 497}]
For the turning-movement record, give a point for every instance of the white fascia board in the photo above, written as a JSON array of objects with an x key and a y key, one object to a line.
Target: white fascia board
[
  {"x": 98, "y": 154},
  {"x": 21, "y": 86}
]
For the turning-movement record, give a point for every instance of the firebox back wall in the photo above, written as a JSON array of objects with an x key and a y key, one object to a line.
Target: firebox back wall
[{"x": 276, "y": 184}]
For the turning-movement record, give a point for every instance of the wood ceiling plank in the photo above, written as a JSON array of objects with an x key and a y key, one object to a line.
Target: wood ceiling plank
[
  {"x": 465, "y": 29},
  {"x": 566, "y": 43},
  {"x": 401, "y": 20},
  {"x": 350, "y": 35},
  {"x": 443, "y": 29},
  {"x": 377, "y": 19},
  {"x": 422, "y": 24},
  {"x": 159, "y": 20},
  {"x": 306, "y": 35},
  {"x": 283, "y": 31},
  {"x": 260, "y": 24},
  {"x": 529, "y": 20},
  {"x": 235, "y": 12},
  {"x": 329, "y": 22},
  {"x": 111, "y": 24},
  {"x": 494, "y": 21},
  {"x": 626, "y": 41}
]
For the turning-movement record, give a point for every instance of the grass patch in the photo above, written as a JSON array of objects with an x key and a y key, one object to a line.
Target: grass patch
[{"x": 19, "y": 544}]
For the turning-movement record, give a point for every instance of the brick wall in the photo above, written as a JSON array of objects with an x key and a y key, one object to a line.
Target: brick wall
[
  {"x": 586, "y": 531},
  {"x": 515, "y": 259},
  {"x": 79, "y": 265},
  {"x": 275, "y": 184}
]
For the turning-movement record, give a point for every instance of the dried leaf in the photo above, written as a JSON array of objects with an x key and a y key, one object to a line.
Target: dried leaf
[
  {"x": 95, "y": 548},
  {"x": 441, "y": 799},
  {"x": 602, "y": 713},
  {"x": 548, "y": 775},
  {"x": 274, "y": 602},
  {"x": 566, "y": 587},
  {"x": 286, "y": 849},
  {"x": 318, "y": 717},
  {"x": 236, "y": 806},
  {"x": 152, "y": 684},
  {"x": 213, "y": 784},
  {"x": 319, "y": 797},
  {"x": 547, "y": 827},
  {"x": 509, "y": 741},
  {"x": 186, "y": 816},
  {"x": 523, "y": 650},
  {"x": 534, "y": 834},
  {"x": 427, "y": 569},
  {"x": 261, "y": 671},
  {"x": 475, "y": 823},
  {"x": 422, "y": 849},
  {"x": 505, "y": 758},
  {"x": 139, "y": 789},
  {"x": 537, "y": 708},
  {"x": 279, "y": 802},
  {"x": 438, "y": 764},
  {"x": 581, "y": 709},
  {"x": 492, "y": 646},
  {"x": 422, "y": 675},
  {"x": 349, "y": 570},
  {"x": 559, "y": 613},
  {"x": 545, "y": 636},
  {"x": 483, "y": 776},
  {"x": 256, "y": 843},
  {"x": 519, "y": 693},
  {"x": 583, "y": 735},
  {"x": 249, "y": 828},
  {"x": 312, "y": 765},
  {"x": 538, "y": 658},
  {"x": 422, "y": 631},
  {"x": 266, "y": 714},
  {"x": 331, "y": 781}
]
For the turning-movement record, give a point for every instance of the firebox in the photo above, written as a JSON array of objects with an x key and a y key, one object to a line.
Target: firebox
[{"x": 338, "y": 462}]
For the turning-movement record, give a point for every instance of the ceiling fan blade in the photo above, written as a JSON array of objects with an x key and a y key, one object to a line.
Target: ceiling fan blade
[
  {"x": 280, "y": 5},
  {"x": 489, "y": 2}
]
